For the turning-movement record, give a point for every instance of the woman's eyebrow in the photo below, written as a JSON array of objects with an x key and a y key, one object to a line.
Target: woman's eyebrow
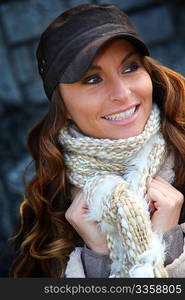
[
  {"x": 96, "y": 67},
  {"x": 129, "y": 55}
]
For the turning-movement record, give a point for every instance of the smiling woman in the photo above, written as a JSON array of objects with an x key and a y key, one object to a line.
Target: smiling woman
[
  {"x": 107, "y": 199},
  {"x": 115, "y": 94}
]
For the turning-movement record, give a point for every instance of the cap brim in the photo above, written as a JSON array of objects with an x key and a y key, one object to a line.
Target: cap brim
[{"x": 82, "y": 61}]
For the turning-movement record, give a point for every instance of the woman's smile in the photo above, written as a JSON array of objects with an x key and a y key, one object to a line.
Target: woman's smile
[
  {"x": 123, "y": 117},
  {"x": 114, "y": 98}
]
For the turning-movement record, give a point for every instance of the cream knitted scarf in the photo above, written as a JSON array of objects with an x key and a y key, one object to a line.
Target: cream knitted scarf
[{"x": 113, "y": 175}]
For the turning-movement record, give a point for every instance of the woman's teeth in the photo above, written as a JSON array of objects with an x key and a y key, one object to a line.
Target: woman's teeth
[{"x": 122, "y": 115}]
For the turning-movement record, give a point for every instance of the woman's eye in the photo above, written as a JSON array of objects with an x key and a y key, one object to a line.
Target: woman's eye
[
  {"x": 131, "y": 67},
  {"x": 93, "y": 79}
]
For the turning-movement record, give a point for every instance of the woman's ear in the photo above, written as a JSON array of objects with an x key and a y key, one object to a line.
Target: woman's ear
[{"x": 68, "y": 116}]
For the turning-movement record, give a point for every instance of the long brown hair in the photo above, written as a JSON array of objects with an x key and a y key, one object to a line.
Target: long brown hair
[
  {"x": 46, "y": 239},
  {"x": 169, "y": 94}
]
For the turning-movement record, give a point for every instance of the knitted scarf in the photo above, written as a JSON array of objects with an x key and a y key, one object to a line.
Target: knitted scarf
[{"x": 114, "y": 175}]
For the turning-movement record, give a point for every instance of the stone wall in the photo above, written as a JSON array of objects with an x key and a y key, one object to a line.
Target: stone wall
[{"x": 22, "y": 100}]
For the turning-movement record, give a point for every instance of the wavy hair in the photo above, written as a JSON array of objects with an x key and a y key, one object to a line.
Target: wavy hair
[
  {"x": 45, "y": 238},
  {"x": 169, "y": 94}
]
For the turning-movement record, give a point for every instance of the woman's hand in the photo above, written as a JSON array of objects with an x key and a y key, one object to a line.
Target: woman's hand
[
  {"x": 165, "y": 204},
  {"x": 89, "y": 231}
]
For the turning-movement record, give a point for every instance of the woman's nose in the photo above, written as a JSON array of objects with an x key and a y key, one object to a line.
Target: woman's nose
[{"x": 119, "y": 90}]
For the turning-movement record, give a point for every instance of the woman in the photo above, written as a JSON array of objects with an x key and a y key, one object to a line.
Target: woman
[{"x": 109, "y": 156}]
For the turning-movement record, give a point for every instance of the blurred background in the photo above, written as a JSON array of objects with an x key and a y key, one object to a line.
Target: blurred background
[{"x": 22, "y": 100}]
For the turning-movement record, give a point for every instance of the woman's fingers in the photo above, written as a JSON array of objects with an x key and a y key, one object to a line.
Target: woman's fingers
[
  {"x": 165, "y": 202},
  {"x": 165, "y": 188},
  {"x": 89, "y": 231}
]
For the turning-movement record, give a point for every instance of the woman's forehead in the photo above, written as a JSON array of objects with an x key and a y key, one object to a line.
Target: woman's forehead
[{"x": 115, "y": 48}]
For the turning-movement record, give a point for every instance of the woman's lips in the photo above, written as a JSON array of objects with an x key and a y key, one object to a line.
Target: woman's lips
[{"x": 124, "y": 117}]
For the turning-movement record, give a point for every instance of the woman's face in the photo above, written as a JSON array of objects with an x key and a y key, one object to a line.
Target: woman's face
[{"x": 114, "y": 98}]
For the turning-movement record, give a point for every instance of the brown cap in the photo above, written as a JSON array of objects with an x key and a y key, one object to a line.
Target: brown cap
[{"x": 68, "y": 46}]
